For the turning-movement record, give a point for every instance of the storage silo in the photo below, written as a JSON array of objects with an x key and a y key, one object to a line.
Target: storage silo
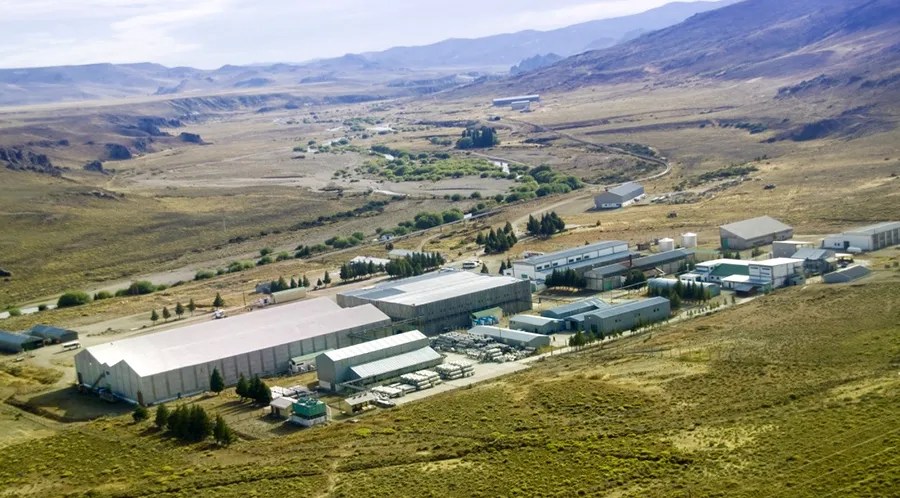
[
  {"x": 689, "y": 240},
  {"x": 666, "y": 244}
]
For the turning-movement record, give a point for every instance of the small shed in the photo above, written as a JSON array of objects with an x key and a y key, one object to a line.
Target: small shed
[
  {"x": 536, "y": 324},
  {"x": 16, "y": 343},
  {"x": 281, "y": 407},
  {"x": 52, "y": 334},
  {"x": 309, "y": 412},
  {"x": 358, "y": 402},
  {"x": 516, "y": 338}
]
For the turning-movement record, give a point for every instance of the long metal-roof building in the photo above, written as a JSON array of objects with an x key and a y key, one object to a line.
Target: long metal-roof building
[
  {"x": 619, "y": 196},
  {"x": 53, "y": 334},
  {"x": 627, "y": 316},
  {"x": 754, "y": 232},
  {"x": 536, "y": 324},
  {"x": 579, "y": 259},
  {"x": 376, "y": 360},
  {"x": 511, "y": 337},
  {"x": 166, "y": 365},
  {"x": 867, "y": 238},
  {"x": 442, "y": 300},
  {"x": 16, "y": 343}
]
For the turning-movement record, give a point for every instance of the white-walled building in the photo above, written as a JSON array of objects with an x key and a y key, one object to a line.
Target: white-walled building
[
  {"x": 178, "y": 362},
  {"x": 620, "y": 196},
  {"x": 867, "y": 238},
  {"x": 580, "y": 259},
  {"x": 776, "y": 272}
]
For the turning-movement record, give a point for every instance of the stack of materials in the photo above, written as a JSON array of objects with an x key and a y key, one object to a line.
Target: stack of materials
[
  {"x": 423, "y": 379},
  {"x": 388, "y": 391},
  {"x": 455, "y": 370}
]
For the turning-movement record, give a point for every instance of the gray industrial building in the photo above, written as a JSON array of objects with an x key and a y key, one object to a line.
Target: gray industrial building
[
  {"x": 613, "y": 276},
  {"x": 167, "y": 365},
  {"x": 752, "y": 233},
  {"x": 627, "y": 316},
  {"x": 515, "y": 338},
  {"x": 442, "y": 300},
  {"x": 620, "y": 196},
  {"x": 579, "y": 259},
  {"x": 572, "y": 309},
  {"x": 16, "y": 343},
  {"x": 845, "y": 275},
  {"x": 54, "y": 335},
  {"x": 502, "y": 101},
  {"x": 815, "y": 261},
  {"x": 536, "y": 324},
  {"x": 376, "y": 360}
]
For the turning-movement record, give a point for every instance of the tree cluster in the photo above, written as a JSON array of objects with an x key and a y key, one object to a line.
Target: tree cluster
[
  {"x": 690, "y": 291},
  {"x": 189, "y": 423},
  {"x": 567, "y": 278},
  {"x": 414, "y": 264},
  {"x": 255, "y": 389},
  {"x": 549, "y": 224},
  {"x": 282, "y": 284},
  {"x": 476, "y": 138},
  {"x": 497, "y": 242},
  {"x": 635, "y": 278},
  {"x": 359, "y": 269}
]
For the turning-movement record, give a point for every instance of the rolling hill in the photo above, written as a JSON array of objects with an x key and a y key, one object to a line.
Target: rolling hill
[{"x": 754, "y": 38}]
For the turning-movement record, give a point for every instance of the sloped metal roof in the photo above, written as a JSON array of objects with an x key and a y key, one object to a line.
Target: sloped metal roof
[
  {"x": 575, "y": 251},
  {"x": 755, "y": 227},
  {"x": 432, "y": 287},
  {"x": 575, "y": 308},
  {"x": 423, "y": 358},
  {"x": 630, "y": 307},
  {"x": 214, "y": 339},
  {"x": 533, "y": 320},
  {"x": 847, "y": 274},
  {"x": 499, "y": 332},
  {"x": 876, "y": 228},
  {"x": 376, "y": 345}
]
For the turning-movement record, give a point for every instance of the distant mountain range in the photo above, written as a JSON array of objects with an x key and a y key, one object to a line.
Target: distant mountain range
[
  {"x": 754, "y": 38},
  {"x": 489, "y": 54}
]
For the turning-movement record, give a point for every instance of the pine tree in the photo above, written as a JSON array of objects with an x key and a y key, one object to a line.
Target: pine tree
[
  {"x": 154, "y": 317},
  {"x": 502, "y": 266},
  {"x": 166, "y": 313},
  {"x": 345, "y": 272},
  {"x": 305, "y": 281},
  {"x": 326, "y": 279},
  {"x": 216, "y": 382},
  {"x": 140, "y": 414},
  {"x": 293, "y": 283},
  {"x": 218, "y": 302},
  {"x": 199, "y": 427},
  {"x": 162, "y": 416},
  {"x": 484, "y": 268},
  {"x": 179, "y": 309},
  {"x": 243, "y": 388},
  {"x": 282, "y": 284},
  {"x": 191, "y": 306},
  {"x": 222, "y": 433}
]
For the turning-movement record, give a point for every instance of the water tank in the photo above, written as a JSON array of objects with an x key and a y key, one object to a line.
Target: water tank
[
  {"x": 666, "y": 244},
  {"x": 689, "y": 240}
]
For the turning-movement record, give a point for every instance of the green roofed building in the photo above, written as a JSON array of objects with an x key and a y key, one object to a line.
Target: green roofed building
[{"x": 308, "y": 412}]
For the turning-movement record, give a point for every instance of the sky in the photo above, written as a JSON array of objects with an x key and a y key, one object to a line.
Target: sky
[{"x": 210, "y": 33}]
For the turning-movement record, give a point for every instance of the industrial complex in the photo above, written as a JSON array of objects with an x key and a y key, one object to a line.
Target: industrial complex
[
  {"x": 442, "y": 300},
  {"x": 579, "y": 259},
  {"x": 167, "y": 365}
]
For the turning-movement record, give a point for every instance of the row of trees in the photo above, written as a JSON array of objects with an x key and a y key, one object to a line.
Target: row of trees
[
  {"x": 359, "y": 269},
  {"x": 568, "y": 278},
  {"x": 282, "y": 284},
  {"x": 497, "y": 242},
  {"x": 179, "y": 311},
  {"x": 414, "y": 264},
  {"x": 690, "y": 291},
  {"x": 549, "y": 224}
]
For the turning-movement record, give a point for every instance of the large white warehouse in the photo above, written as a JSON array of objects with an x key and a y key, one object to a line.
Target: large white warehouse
[
  {"x": 167, "y": 365},
  {"x": 867, "y": 238}
]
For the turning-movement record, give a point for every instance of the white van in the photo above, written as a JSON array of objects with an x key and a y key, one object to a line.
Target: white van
[
  {"x": 67, "y": 346},
  {"x": 471, "y": 265}
]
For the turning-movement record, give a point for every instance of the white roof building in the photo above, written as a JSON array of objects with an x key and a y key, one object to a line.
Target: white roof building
[{"x": 178, "y": 362}]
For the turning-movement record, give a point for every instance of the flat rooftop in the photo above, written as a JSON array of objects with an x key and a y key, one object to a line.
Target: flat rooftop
[
  {"x": 215, "y": 339},
  {"x": 376, "y": 345},
  {"x": 431, "y": 287},
  {"x": 776, "y": 262},
  {"x": 631, "y": 306}
]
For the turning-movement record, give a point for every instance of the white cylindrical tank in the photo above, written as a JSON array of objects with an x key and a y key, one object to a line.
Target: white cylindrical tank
[
  {"x": 689, "y": 240},
  {"x": 666, "y": 244}
]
